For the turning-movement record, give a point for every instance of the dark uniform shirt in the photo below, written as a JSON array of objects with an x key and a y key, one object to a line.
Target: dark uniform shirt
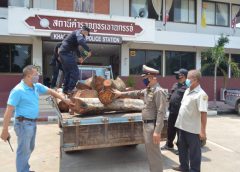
[
  {"x": 73, "y": 40},
  {"x": 154, "y": 104},
  {"x": 176, "y": 96}
]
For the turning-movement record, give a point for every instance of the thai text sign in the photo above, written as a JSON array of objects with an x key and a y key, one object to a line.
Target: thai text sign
[{"x": 43, "y": 22}]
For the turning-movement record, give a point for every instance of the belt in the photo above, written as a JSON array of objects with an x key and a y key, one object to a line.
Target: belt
[
  {"x": 21, "y": 118},
  {"x": 149, "y": 121}
]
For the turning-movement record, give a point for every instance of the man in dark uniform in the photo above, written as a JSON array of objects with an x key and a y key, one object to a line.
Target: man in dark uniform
[
  {"x": 72, "y": 43},
  {"x": 175, "y": 99},
  {"x": 153, "y": 113},
  {"x": 56, "y": 65}
]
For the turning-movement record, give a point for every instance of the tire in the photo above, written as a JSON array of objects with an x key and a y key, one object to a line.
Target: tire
[{"x": 238, "y": 108}]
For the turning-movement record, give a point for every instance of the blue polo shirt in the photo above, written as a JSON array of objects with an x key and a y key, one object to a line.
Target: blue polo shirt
[{"x": 25, "y": 99}]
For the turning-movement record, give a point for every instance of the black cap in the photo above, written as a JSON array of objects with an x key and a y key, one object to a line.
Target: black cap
[
  {"x": 84, "y": 27},
  {"x": 182, "y": 71}
]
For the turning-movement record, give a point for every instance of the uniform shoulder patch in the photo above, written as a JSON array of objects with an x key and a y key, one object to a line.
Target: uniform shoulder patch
[{"x": 205, "y": 97}]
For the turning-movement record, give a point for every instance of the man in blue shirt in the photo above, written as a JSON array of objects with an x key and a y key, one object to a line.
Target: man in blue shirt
[
  {"x": 24, "y": 102},
  {"x": 72, "y": 43}
]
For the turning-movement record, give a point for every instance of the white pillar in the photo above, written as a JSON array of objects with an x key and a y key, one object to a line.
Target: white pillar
[
  {"x": 124, "y": 60},
  {"x": 163, "y": 64},
  {"x": 37, "y": 53},
  {"x": 229, "y": 66},
  {"x": 198, "y": 59}
]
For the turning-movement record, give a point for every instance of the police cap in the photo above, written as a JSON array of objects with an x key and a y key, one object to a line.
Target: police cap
[{"x": 149, "y": 71}]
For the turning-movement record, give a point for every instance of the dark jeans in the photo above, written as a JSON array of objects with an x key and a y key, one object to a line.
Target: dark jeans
[
  {"x": 171, "y": 130},
  {"x": 189, "y": 151},
  {"x": 55, "y": 71},
  {"x": 70, "y": 68}
]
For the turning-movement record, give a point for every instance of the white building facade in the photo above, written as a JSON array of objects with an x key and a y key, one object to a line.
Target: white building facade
[{"x": 164, "y": 34}]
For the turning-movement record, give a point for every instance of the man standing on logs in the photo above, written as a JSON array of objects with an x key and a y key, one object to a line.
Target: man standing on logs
[
  {"x": 23, "y": 101},
  {"x": 153, "y": 114},
  {"x": 72, "y": 43}
]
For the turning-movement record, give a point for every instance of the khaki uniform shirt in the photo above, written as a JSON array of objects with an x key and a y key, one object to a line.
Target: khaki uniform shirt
[
  {"x": 154, "y": 104},
  {"x": 193, "y": 103}
]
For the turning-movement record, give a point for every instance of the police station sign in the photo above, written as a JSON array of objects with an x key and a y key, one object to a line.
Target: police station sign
[
  {"x": 55, "y": 23},
  {"x": 93, "y": 38}
]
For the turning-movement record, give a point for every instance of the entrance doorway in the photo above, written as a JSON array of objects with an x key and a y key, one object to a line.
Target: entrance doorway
[{"x": 102, "y": 55}]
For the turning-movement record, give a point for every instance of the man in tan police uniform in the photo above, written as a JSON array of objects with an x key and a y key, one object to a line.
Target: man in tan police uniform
[
  {"x": 191, "y": 122},
  {"x": 153, "y": 114}
]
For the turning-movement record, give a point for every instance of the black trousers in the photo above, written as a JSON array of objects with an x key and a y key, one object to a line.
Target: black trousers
[
  {"x": 71, "y": 71},
  {"x": 189, "y": 151},
  {"x": 171, "y": 130}
]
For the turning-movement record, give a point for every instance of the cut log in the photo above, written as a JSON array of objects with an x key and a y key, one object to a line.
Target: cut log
[
  {"x": 107, "y": 83},
  {"x": 82, "y": 86},
  {"x": 95, "y": 82},
  {"x": 94, "y": 106},
  {"x": 62, "y": 106},
  {"x": 106, "y": 96},
  {"x": 86, "y": 94},
  {"x": 119, "y": 84}
]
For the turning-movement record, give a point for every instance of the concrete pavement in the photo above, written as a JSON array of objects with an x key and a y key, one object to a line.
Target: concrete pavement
[{"x": 221, "y": 154}]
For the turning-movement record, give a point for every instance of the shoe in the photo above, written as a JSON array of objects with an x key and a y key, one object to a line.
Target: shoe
[
  {"x": 166, "y": 147},
  {"x": 178, "y": 168}
]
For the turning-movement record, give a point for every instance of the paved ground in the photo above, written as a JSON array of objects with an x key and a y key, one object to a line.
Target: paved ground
[{"x": 221, "y": 154}]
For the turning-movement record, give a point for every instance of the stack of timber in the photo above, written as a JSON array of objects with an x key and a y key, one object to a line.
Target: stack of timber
[{"x": 96, "y": 96}]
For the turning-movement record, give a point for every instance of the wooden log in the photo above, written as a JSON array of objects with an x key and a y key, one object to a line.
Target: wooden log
[
  {"x": 86, "y": 94},
  {"x": 82, "y": 86},
  {"x": 106, "y": 96},
  {"x": 119, "y": 84},
  {"x": 95, "y": 82},
  {"x": 62, "y": 106},
  {"x": 107, "y": 83},
  {"x": 94, "y": 106}
]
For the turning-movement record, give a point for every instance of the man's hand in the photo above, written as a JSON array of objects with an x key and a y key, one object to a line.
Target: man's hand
[
  {"x": 69, "y": 102},
  {"x": 89, "y": 54},
  {"x": 156, "y": 138},
  {"x": 81, "y": 59},
  {"x": 202, "y": 135},
  {"x": 117, "y": 93},
  {"x": 5, "y": 135}
]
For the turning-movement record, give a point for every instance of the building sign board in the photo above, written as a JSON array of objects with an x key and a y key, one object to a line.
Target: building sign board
[
  {"x": 92, "y": 38},
  {"x": 56, "y": 23}
]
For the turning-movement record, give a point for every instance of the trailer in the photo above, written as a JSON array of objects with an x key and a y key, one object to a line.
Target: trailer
[{"x": 110, "y": 129}]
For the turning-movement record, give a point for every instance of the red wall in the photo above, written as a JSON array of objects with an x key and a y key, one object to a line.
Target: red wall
[
  {"x": 8, "y": 81},
  {"x": 206, "y": 84}
]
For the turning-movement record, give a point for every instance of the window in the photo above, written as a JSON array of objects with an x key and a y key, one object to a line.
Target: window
[
  {"x": 14, "y": 57},
  {"x": 3, "y": 3},
  {"x": 181, "y": 10},
  {"x": 140, "y": 57},
  {"x": 236, "y": 59},
  {"x": 146, "y": 9},
  {"x": 84, "y": 6},
  {"x": 235, "y": 10},
  {"x": 216, "y": 13},
  {"x": 178, "y": 59}
]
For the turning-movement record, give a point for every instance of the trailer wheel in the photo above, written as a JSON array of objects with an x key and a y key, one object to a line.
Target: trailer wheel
[{"x": 238, "y": 108}]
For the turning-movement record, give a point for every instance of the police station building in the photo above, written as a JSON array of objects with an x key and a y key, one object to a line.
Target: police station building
[{"x": 164, "y": 34}]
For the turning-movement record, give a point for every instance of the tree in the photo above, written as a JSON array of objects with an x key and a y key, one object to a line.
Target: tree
[{"x": 217, "y": 56}]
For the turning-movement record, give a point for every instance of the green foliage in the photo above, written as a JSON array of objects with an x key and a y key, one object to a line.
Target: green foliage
[
  {"x": 217, "y": 56},
  {"x": 130, "y": 81}
]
